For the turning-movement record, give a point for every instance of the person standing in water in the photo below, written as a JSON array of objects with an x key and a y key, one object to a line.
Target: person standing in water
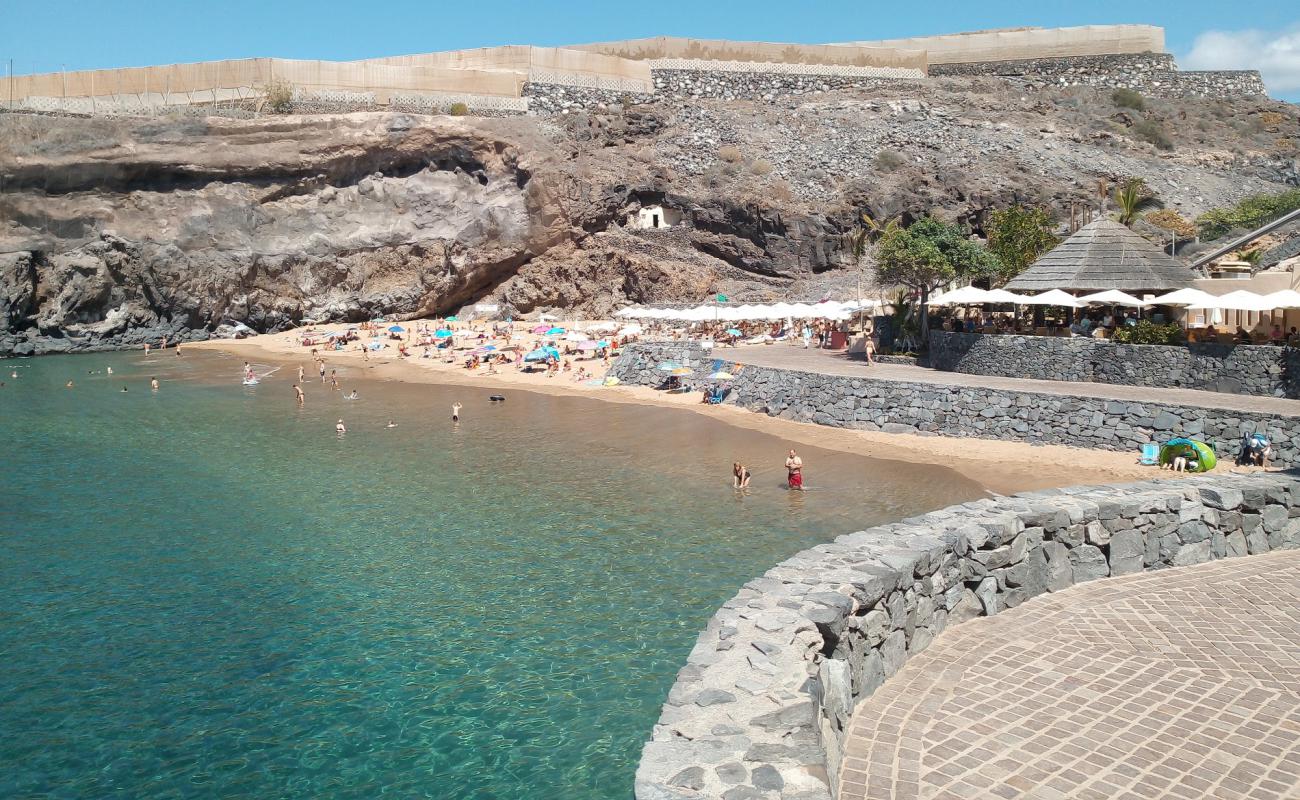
[
  {"x": 794, "y": 471},
  {"x": 300, "y": 373},
  {"x": 302, "y": 399},
  {"x": 146, "y": 349},
  {"x": 340, "y": 428},
  {"x": 153, "y": 384},
  {"x": 741, "y": 475},
  {"x": 109, "y": 370},
  {"x": 455, "y": 412}
]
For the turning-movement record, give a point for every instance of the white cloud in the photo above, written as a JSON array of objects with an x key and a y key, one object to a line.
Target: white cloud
[{"x": 1276, "y": 54}]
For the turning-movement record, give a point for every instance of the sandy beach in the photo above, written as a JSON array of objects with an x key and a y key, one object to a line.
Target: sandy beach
[{"x": 1001, "y": 467}]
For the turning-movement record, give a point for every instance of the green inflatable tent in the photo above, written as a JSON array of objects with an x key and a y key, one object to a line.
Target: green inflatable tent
[{"x": 1198, "y": 453}]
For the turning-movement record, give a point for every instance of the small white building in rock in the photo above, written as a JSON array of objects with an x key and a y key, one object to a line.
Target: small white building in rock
[{"x": 655, "y": 217}]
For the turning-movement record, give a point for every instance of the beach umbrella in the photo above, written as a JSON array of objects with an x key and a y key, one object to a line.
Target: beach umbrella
[
  {"x": 1239, "y": 300},
  {"x": 1286, "y": 298},
  {"x": 590, "y": 344},
  {"x": 1053, "y": 297},
  {"x": 541, "y": 328},
  {"x": 963, "y": 296},
  {"x": 1003, "y": 296},
  {"x": 733, "y": 332},
  {"x": 555, "y": 332},
  {"x": 442, "y": 333},
  {"x": 631, "y": 330},
  {"x": 1112, "y": 297},
  {"x": 721, "y": 375},
  {"x": 543, "y": 354},
  {"x": 1182, "y": 297},
  {"x": 682, "y": 371},
  {"x": 453, "y": 318},
  {"x": 575, "y": 336},
  {"x": 396, "y": 329}
]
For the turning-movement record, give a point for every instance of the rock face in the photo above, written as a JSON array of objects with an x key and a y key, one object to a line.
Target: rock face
[{"x": 118, "y": 230}]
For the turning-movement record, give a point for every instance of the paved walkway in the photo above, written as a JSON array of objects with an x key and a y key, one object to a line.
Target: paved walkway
[
  {"x": 1182, "y": 683},
  {"x": 830, "y": 362}
]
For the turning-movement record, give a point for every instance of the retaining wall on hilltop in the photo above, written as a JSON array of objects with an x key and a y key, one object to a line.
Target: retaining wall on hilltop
[
  {"x": 914, "y": 407},
  {"x": 1262, "y": 370},
  {"x": 762, "y": 707},
  {"x": 1149, "y": 73}
]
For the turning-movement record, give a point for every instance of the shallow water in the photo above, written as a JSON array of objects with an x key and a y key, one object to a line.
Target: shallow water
[{"x": 209, "y": 593}]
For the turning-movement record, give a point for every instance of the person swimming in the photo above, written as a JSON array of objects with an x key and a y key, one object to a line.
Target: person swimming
[
  {"x": 108, "y": 370},
  {"x": 455, "y": 412},
  {"x": 352, "y": 396},
  {"x": 302, "y": 399},
  {"x": 153, "y": 384},
  {"x": 391, "y": 424},
  {"x": 340, "y": 427},
  {"x": 123, "y": 388},
  {"x": 68, "y": 385}
]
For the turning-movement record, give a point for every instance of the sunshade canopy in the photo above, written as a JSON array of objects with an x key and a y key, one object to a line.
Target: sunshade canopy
[
  {"x": 1182, "y": 297},
  {"x": 1239, "y": 300},
  {"x": 1055, "y": 297},
  {"x": 962, "y": 296},
  {"x": 1113, "y": 297},
  {"x": 1104, "y": 255}
]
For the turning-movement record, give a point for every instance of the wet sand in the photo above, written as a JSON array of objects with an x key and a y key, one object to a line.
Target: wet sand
[{"x": 1000, "y": 467}]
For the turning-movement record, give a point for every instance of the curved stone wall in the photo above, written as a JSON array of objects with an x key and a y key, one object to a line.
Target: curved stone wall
[
  {"x": 1262, "y": 370},
  {"x": 762, "y": 706}
]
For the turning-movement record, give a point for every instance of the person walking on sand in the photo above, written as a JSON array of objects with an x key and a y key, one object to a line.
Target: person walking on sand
[
  {"x": 340, "y": 428},
  {"x": 455, "y": 412},
  {"x": 794, "y": 471},
  {"x": 302, "y": 398}
]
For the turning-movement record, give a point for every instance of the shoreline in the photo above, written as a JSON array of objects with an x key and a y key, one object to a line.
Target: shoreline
[{"x": 999, "y": 467}]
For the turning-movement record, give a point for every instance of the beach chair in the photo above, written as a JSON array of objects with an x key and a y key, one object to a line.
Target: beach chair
[{"x": 1150, "y": 455}]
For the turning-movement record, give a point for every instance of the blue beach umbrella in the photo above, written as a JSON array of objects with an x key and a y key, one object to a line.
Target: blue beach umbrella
[
  {"x": 669, "y": 366},
  {"x": 453, "y": 318},
  {"x": 543, "y": 354},
  {"x": 442, "y": 333},
  {"x": 733, "y": 332},
  {"x": 396, "y": 329},
  {"x": 555, "y": 332}
]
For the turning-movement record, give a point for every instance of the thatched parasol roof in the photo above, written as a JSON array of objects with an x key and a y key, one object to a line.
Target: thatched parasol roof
[{"x": 1104, "y": 255}]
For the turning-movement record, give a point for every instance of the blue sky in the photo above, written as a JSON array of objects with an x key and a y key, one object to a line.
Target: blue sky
[{"x": 43, "y": 36}]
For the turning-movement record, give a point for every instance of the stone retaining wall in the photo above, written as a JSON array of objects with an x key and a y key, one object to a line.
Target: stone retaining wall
[
  {"x": 914, "y": 407},
  {"x": 1149, "y": 73},
  {"x": 762, "y": 707},
  {"x": 1240, "y": 369}
]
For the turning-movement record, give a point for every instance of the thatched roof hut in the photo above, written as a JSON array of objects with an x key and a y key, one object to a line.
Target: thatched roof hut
[{"x": 1104, "y": 255}]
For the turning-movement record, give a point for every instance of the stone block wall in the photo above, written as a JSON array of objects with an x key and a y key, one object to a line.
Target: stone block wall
[
  {"x": 762, "y": 707},
  {"x": 1149, "y": 73},
  {"x": 905, "y": 407},
  {"x": 1261, "y": 370}
]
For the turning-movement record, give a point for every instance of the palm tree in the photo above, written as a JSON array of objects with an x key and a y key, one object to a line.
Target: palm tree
[
  {"x": 867, "y": 231},
  {"x": 1132, "y": 198}
]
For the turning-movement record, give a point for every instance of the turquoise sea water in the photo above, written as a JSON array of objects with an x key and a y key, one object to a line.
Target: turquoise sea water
[{"x": 207, "y": 593}]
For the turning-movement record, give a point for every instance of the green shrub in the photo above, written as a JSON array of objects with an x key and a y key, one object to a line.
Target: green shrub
[
  {"x": 1148, "y": 332},
  {"x": 279, "y": 97},
  {"x": 458, "y": 109},
  {"x": 1249, "y": 213},
  {"x": 1151, "y": 131},
  {"x": 1127, "y": 98}
]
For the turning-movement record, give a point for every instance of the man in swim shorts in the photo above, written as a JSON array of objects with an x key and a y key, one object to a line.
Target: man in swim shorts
[{"x": 794, "y": 471}]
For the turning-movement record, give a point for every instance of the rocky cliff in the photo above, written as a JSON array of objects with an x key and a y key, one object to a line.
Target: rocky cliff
[{"x": 114, "y": 231}]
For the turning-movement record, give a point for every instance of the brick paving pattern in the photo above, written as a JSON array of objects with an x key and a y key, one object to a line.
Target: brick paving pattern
[
  {"x": 1183, "y": 683},
  {"x": 828, "y": 362}
]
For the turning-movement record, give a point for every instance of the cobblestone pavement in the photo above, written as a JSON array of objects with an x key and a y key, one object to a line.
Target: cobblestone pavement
[
  {"x": 829, "y": 362},
  {"x": 1182, "y": 683}
]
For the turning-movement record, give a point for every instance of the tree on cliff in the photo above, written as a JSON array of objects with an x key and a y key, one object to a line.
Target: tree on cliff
[
  {"x": 1132, "y": 198},
  {"x": 1018, "y": 235},
  {"x": 928, "y": 254}
]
